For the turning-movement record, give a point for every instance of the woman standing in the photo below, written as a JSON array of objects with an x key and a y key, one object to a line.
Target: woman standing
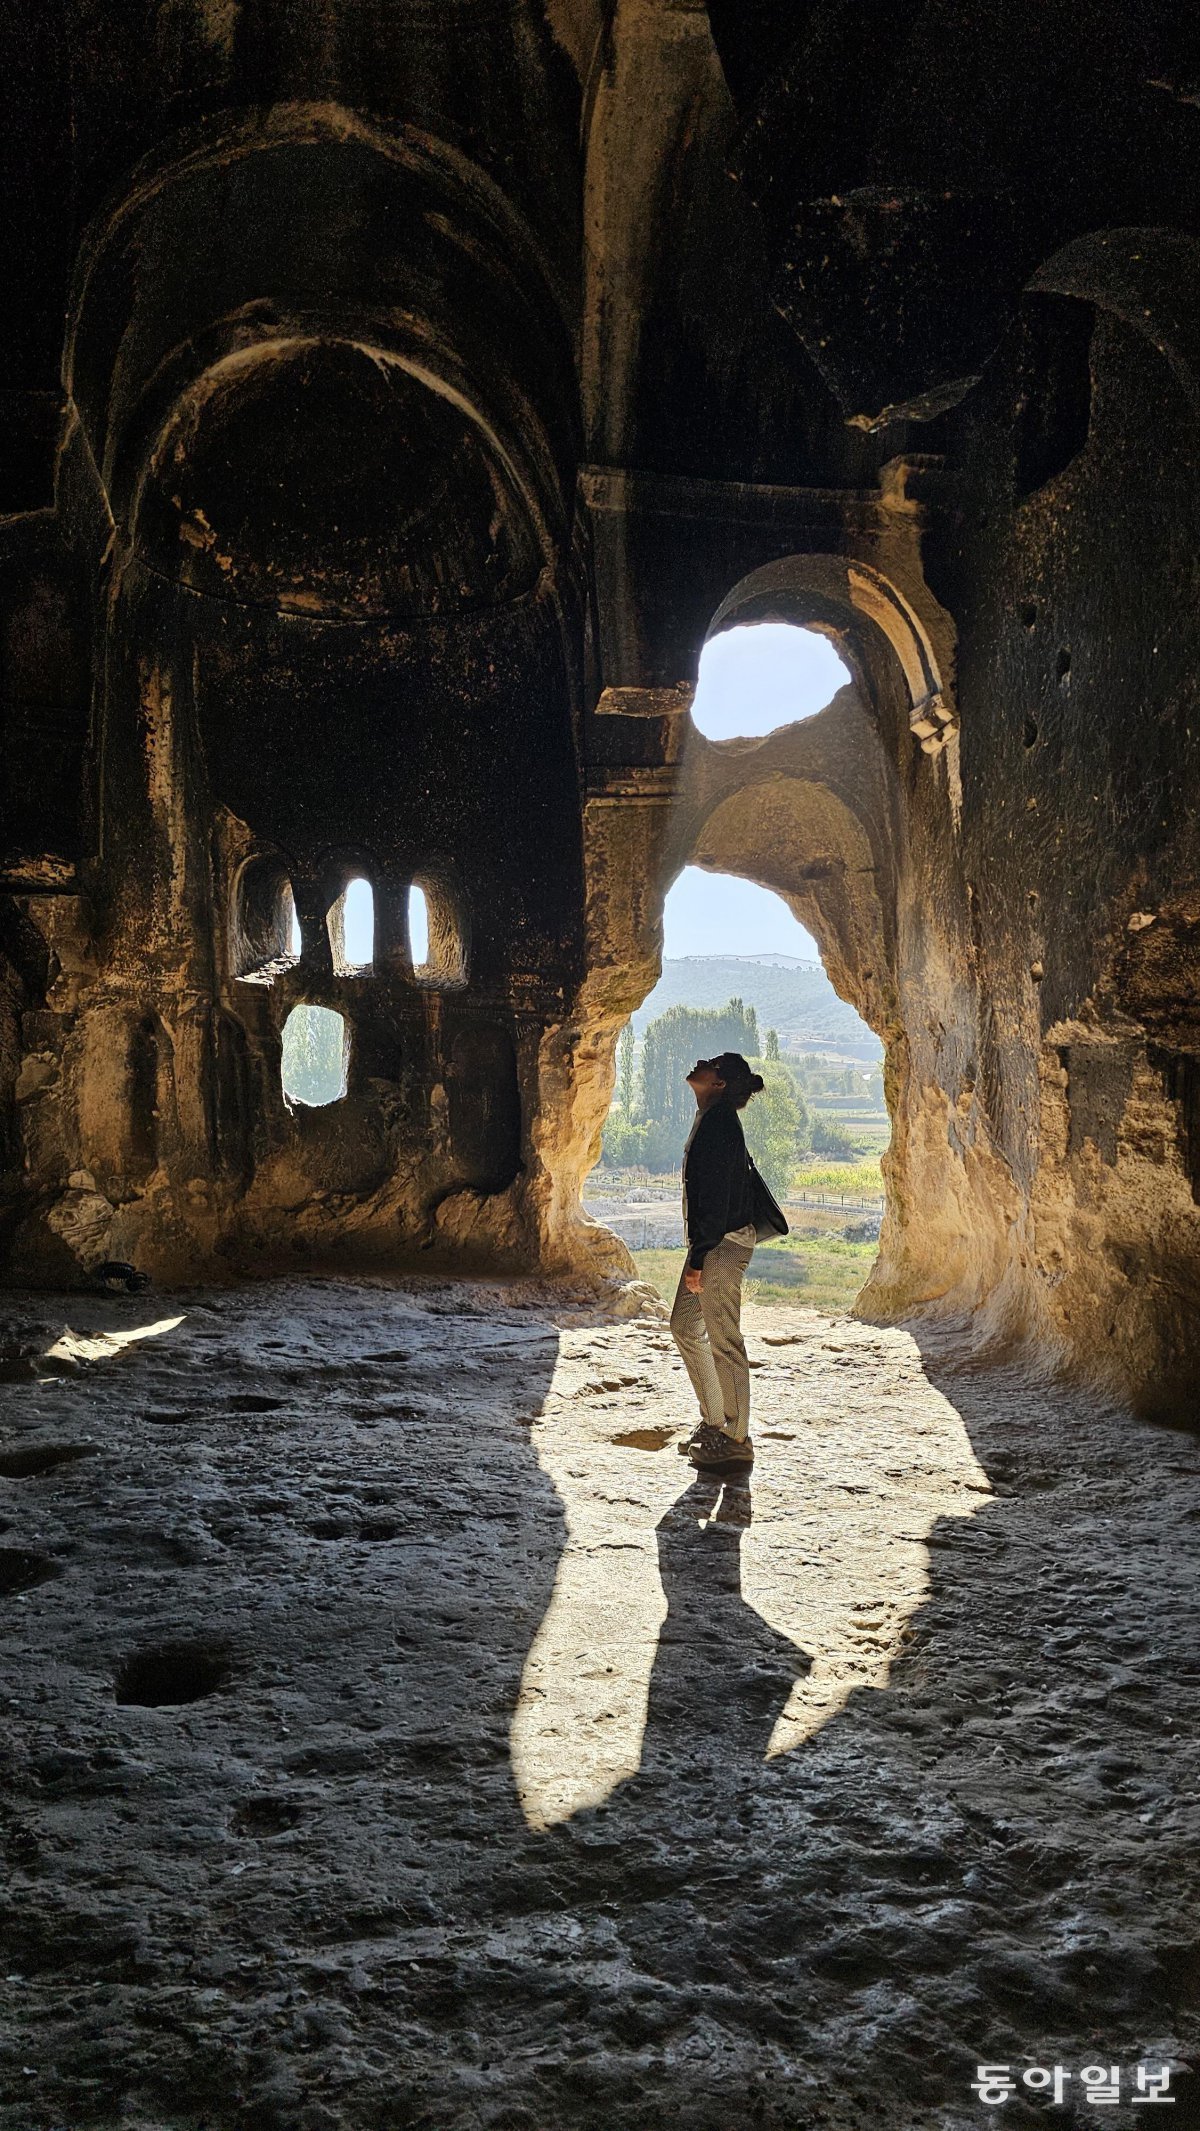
[{"x": 719, "y": 1220}]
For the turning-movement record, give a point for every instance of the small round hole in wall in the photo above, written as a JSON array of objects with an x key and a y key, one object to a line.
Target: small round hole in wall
[
  {"x": 1028, "y": 613},
  {"x": 314, "y": 1056},
  {"x": 1062, "y": 665},
  {"x": 1031, "y": 732}
]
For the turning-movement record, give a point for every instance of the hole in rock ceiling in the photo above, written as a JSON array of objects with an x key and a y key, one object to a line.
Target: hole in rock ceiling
[
  {"x": 760, "y": 676},
  {"x": 314, "y": 1056}
]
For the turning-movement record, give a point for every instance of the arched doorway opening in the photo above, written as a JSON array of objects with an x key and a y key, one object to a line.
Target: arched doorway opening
[
  {"x": 772, "y": 859},
  {"x": 795, "y": 791},
  {"x": 740, "y": 973}
]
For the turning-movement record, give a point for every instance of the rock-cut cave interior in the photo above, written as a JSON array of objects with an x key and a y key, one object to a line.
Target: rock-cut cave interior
[{"x": 395, "y": 399}]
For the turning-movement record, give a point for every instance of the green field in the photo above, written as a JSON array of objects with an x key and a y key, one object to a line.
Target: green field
[
  {"x": 851, "y": 1180},
  {"x": 814, "y": 1267},
  {"x": 857, "y": 1180}
]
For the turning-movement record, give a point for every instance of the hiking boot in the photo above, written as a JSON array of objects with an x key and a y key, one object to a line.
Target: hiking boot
[
  {"x": 713, "y": 1450},
  {"x": 702, "y": 1434}
]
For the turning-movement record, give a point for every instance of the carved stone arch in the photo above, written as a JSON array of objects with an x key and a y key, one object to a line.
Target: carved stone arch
[
  {"x": 382, "y": 252},
  {"x": 260, "y": 918},
  {"x": 800, "y": 838},
  {"x": 899, "y": 645}
]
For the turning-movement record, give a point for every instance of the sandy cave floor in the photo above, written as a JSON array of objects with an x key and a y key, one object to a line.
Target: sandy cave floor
[{"x": 530, "y": 1780}]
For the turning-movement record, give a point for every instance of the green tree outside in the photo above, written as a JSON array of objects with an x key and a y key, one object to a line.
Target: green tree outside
[
  {"x": 771, "y": 1122},
  {"x": 829, "y": 1137},
  {"x": 625, "y": 1061},
  {"x": 314, "y": 1056},
  {"x": 670, "y": 1049},
  {"x": 656, "y": 1108}
]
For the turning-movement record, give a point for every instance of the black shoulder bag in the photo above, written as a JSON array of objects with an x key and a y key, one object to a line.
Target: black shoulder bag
[{"x": 768, "y": 1217}]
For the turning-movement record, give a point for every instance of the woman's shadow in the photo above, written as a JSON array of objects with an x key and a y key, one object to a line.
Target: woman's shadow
[{"x": 721, "y": 1676}]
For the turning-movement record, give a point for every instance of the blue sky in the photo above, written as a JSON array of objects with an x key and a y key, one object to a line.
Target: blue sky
[
  {"x": 714, "y": 914},
  {"x": 768, "y": 674}
]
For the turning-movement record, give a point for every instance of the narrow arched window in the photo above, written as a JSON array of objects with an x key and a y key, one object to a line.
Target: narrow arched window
[
  {"x": 418, "y": 927},
  {"x": 352, "y": 928},
  {"x": 437, "y": 941},
  {"x": 265, "y": 929}
]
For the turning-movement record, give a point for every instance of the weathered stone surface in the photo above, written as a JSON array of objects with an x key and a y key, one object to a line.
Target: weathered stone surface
[
  {"x": 393, "y": 399},
  {"x": 420, "y": 400},
  {"x": 404, "y": 1734}
]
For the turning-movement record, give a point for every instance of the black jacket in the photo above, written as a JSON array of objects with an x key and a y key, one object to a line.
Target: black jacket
[{"x": 716, "y": 1181}]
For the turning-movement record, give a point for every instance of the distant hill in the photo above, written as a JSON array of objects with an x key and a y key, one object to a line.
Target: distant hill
[{"x": 794, "y": 997}]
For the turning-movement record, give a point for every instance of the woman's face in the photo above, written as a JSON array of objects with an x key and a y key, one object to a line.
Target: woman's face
[{"x": 704, "y": 1078}]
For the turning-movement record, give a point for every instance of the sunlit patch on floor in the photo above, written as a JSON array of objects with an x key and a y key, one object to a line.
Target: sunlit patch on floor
[
  {"x": 858, "y": 1457},
  {"x": 70, "y": 1347}
]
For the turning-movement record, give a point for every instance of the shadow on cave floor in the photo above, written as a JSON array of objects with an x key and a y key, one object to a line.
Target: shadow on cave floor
[{"x": 403, "y": 1735}]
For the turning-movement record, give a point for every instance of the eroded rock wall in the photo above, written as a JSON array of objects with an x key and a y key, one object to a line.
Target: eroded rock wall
[{"x": 424, "y": 403}]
